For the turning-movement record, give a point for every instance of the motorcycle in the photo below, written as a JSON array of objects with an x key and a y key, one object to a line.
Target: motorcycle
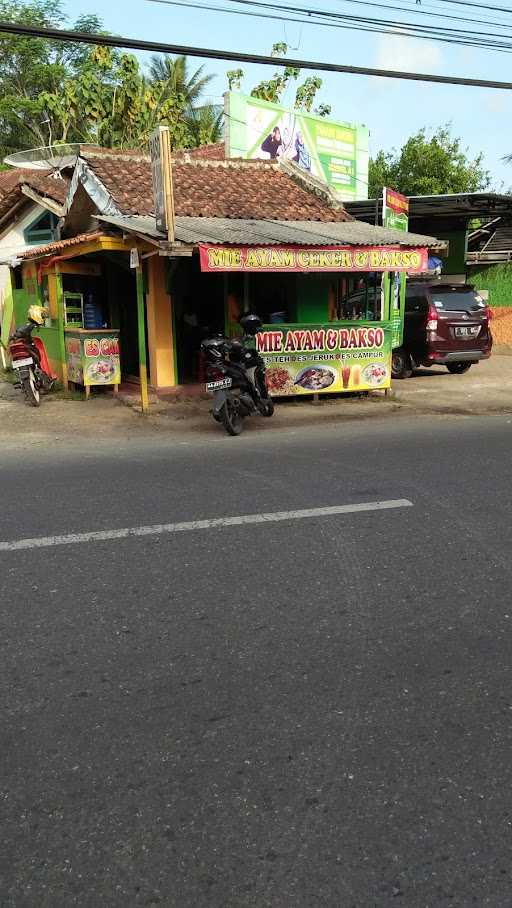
[
  {"x": 235, "y": 375},
  {"x": 29, "y": 359}
]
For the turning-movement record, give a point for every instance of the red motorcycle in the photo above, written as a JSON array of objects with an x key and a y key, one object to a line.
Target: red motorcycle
[{"x": 29, "y": 359}]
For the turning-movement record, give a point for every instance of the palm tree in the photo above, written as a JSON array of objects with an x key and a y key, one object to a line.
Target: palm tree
[
  {"x": 206, "y": 124},
  {"x": 174, "y": 74},
  {"x": 172, "y": 77}
]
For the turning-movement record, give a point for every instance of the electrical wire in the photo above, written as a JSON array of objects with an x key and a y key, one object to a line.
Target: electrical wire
[
  {"x": 430, "y": 11},
  {"x": 332, "y": 14},
  {"x": 494, "y": 9},
  {"x": 207, "y": 53},
  {"x": 354, "y": 23}
]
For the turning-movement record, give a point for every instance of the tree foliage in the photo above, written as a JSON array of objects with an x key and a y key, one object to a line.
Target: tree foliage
[
  {"x": 428, "y": 166},
  {"x": 31, "y": 66},
  {"x": 53, "y": 92},
  {"x": 273, "y": 89},
  {"x": 110, "y": 102}
]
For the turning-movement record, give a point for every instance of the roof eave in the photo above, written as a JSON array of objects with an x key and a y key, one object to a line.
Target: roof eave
[{"x": 43, "y": 200}]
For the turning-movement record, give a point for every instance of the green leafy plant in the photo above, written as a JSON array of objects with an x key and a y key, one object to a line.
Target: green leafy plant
[{"x": 428, "y": 165}]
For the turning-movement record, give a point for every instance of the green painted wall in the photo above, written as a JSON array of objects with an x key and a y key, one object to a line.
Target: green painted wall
[
  {"x": 49, "y": 336},
  {"x": 455, "y": 262},
  {"x": 497, "y": 279},
  {"x": 312, "y": 299}
]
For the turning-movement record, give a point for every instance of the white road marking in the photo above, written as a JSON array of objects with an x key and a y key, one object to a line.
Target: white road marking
[{"x": 160, "y": 529}]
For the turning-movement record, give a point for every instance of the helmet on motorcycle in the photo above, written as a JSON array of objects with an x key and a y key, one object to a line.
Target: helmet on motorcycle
[
  {"x": 236, "y": 350},
  {"x": 37, "y": 314},
  {"x": 251, "y": 324},
  {"x": 214, "y": 348}
]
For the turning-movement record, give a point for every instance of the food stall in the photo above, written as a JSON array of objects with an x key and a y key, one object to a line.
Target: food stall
[
  {"x": 92, "y": 357},
  {"x": 337, "y": 333}
]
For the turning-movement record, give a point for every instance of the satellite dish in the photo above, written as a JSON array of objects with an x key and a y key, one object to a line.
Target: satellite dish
[{"x": 49, "y": 157}]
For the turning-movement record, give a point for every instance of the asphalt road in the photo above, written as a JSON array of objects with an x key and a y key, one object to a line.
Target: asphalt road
[{"x": 293, "y": 714}]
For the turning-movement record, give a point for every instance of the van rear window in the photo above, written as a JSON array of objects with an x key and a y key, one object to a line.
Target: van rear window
[{"x": 457, "y": 300}]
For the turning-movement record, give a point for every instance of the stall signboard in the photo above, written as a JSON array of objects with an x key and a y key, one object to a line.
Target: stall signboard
[
  {"x": 312, "y": 259},
  {"x": 161, "y": 169},
  {"x": 93, "y": 358},
  {"x": 334, "y": 152},
  {"x": 331, "y": 358},
  {"x": 395, "y": 210},
  {"x": 395, "y": 214}
]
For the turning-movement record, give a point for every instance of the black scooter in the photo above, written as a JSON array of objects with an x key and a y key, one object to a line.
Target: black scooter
[{"x": 235, "y": 375}]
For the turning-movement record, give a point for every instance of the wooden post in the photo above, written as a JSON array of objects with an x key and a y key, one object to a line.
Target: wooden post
[
  {"x": 161, "y": 165},
  {"x": 62, "y": 338},
  {"x": 143, "y": 369},
  {"x": 168, "y": 183}
]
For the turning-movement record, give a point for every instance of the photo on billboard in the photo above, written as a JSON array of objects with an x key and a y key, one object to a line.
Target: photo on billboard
[{"x": 334, "y": 152}]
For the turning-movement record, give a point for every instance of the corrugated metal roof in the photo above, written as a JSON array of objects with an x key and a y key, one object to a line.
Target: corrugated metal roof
[
  {"x": 463, "y": 205},
  {"x": 193, "y": 231}
]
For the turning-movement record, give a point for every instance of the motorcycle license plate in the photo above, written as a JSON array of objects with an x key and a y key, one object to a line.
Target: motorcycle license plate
[
  {"x": 19, "y": 363},
  {"x": 218, "y": 385}
]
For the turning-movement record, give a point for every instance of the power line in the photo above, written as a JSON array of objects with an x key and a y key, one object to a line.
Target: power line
[
  {"x": 443, "y": 35},
  {"x": 494, "y": 9},
  {"x": 161, "y": 47},
  {"x": 342, "y": 15},
  {"x": 430, "y": 11}
]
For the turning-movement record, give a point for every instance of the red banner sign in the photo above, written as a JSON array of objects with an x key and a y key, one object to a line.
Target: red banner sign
[
  {"x": 315, "y": 258},
  {"x": 398, "y": 203}
]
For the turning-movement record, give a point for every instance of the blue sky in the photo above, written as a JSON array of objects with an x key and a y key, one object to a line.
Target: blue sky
[{"x": 391, "y": 109}]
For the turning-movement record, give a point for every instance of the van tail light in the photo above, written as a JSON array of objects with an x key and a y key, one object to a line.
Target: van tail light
[
  {"x": 432, "y": 318},
  {"x": 488, "y": 313}
]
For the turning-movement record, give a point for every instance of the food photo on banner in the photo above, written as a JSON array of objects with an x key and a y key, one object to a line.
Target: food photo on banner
[{"x": 320, "y": 359}]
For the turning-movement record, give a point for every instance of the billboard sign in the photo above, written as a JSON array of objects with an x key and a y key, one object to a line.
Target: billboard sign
[{"x": 336, "y": 153}]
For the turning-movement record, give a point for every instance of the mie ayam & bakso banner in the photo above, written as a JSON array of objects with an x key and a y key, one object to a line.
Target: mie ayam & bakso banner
[{"x": 326, "y": 359}]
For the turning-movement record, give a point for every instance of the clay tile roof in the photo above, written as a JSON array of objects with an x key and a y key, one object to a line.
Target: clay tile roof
[
  {"x": 59, "y": 245},
  {"x": 214, "y": 188},
  {"x": 216, "y": 152},
  {"x": 41, "y": 182},
  {"x": 9, "y": 179}
]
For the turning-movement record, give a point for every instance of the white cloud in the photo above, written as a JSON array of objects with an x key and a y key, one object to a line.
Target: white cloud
[
  {"x": 407, "y": 54},
  {"x": 496, "y": 102}
]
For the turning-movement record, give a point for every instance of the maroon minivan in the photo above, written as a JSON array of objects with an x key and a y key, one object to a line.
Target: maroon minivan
[{"x": 444, "y": 324}]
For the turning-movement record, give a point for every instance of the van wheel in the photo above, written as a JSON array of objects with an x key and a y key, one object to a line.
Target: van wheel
[
  {"x": 458, "y": 368},
  {"x": 401, "y": 364}
]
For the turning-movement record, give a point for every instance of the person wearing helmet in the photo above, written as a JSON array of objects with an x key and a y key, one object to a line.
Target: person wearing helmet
[
  {"x": 37, "y": 315},
  {"x": 251, "y": 324}
]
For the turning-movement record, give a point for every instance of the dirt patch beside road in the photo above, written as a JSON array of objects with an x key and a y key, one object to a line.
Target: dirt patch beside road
[{"x": 486, "y": 388}]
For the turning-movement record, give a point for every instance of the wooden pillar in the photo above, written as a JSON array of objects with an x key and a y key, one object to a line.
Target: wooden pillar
[
  {"x": 161, "y": 341},
  {"x": 143, "y": 371}
]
